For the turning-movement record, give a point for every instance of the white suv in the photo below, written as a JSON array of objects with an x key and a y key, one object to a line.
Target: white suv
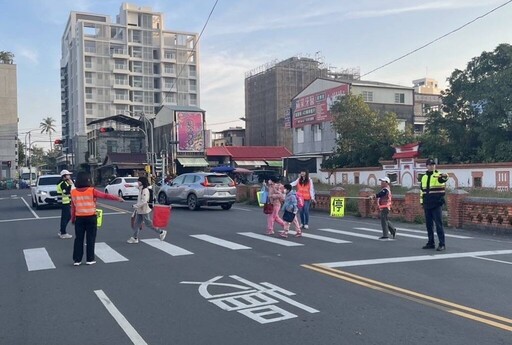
[{"x": 45, "y": 191}]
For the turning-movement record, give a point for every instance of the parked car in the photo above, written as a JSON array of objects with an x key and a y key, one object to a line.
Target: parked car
[
  {"x": 199, "y": 189},
  {"x": 45, "y": 191},
  {"x": 124, "y": 187}
]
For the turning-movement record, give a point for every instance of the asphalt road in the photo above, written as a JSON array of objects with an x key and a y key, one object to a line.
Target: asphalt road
[{"x": 216, "y": 279}]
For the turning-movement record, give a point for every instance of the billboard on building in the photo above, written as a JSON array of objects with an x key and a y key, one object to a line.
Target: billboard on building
[
  {"x": 315, "y": 108},
  {"x": 190, "y": 131}
]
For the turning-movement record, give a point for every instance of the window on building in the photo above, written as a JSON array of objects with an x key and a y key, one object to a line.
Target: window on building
[
  {"x": 400, "y": 98},
  {"x": 477, "y": 182},
  {"x": 170, "y": 54},
  {"x": 137, "y": 96},
  {"x": 88, "y": 108},
  {"x": 119, "y": 64},
  {"x": 121, "y": 95},
  {"x": 137, "y": 66},
  {"x": 88, "y": 62},
  {"x": 137, "y": 81},
  {"x": 300, "y": 135},
  {"x": 393, "y": 178},
  {"x": 193, "y": 99},
  {"x": 192, "y": 84},
  {"x": 170, "y": 68},
  {"x": 136, "y": 36},
  {"x": 90, "y": 46},
  {"x": 120, "y": 79},
  {"x": 317, "y": 132},
  {"x": 88, "y": 93},
  {"x": 192, "y": 71},
  {"x": 136, "y": 52},
  {"x": 367, "y": 96},
  {"x": 88, "y": 77},
  {"x": 111, "y": 146},
  {"x": 356, "y": 179}
]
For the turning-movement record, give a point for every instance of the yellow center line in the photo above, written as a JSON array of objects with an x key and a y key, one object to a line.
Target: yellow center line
[
  {"x": 438, "y": 303},
  {"x": 113, "y": 208}
]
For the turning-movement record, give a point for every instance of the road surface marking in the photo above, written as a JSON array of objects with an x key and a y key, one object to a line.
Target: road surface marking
[
  {"x": 424, "y": 231},
  {"x": 120, "y": 319},
  {"x": 401, "y": 234},
  {"x": 220, "y": 242},
  {"x": 414, "y": 258},
  {"x": 30, "y": 209},
  {"x": 38, "y": 259},
  {"x": 107, "y": 254},
  {"x": 167, "y": 247},
  {"x": 241, "y": 209},
  {"x": 271, "y": 239},
  {"x": 350, "y": 233},
  {"x": 321, "y": 238},
  {"x": 113, "y": 208},
  {"x": 494, "y": 260},
  {"x": 51, "y": 217},
  {"x": 450, "y": 307}
]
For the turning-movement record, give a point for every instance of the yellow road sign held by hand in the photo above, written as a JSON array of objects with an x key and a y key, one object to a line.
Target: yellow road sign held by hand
[{"x": 337, "y": 206}]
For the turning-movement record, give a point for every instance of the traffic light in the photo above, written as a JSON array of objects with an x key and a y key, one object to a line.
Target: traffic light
[
  {"x": 106, "y": 129},
  {"x": 58, "y": 142}
]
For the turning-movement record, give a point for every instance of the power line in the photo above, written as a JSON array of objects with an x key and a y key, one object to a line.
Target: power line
[
  {"x": 437, "y": 39},
  {"x": 189, "y": 55}
]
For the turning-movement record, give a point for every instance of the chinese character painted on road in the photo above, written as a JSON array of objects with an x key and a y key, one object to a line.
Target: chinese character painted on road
[{"x": 256, "y": 301}]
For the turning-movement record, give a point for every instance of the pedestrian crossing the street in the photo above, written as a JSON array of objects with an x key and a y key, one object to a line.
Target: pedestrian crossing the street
[{"x": 39, "y": 259}]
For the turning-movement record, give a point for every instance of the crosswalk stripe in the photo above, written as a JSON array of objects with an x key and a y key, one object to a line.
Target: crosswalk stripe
[
  {"x": 107, "y": 254},
  {"x": 424, "y": 231},
  {"x": 350, "y": 233},
  {"x": 321, "y": 238},
  {"x": 271, "y": 239},
  {"x": 38, "y": 259},
  {"x": 167, "y": 247},
  {"x": 220, "y": 242},
  {"x": 401, "y": 234}
]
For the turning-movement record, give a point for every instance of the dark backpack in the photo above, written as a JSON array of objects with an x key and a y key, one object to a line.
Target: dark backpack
[{"x": 151, "y": 198}]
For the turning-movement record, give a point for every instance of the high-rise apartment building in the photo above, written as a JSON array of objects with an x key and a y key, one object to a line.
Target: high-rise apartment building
[
  {"x": 131, "y": 66},
  {"x": 268, "y": 93},
  {"x": 8, "y": 120}
]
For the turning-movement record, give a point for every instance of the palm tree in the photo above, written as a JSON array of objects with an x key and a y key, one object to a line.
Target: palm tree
[
  {"x": 6, "y": 57},
  {"x": 48, "y": 126}
]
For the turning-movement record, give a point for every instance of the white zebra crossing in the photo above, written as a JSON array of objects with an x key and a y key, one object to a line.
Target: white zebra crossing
[
  {"x": 271, "y": 239},
  {"x": 220, "y": 242},
  {"x": 107, "y": 254},
  {"x": 350, "y": 233},
  {"x": 167, "y": 247},
  {"x": 38, "y": 259}
]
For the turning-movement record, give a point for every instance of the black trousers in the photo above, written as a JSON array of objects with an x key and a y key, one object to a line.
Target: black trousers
[
  {"x": 434, "y": 216},
  {"x": 65, "y": 217},
  {"x": 84, "y": 227}
]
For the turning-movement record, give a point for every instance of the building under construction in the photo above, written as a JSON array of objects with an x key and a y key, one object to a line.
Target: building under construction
[{"x": 269, "y": 90}]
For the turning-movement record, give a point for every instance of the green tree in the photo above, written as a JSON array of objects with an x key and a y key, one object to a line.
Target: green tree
[
  {"x": 21, "y": 153},
  {"x": 48, "y": 126},
  {"x": 363, "y": 136},
  {"x": 6, "y": 57},
  {"x": 478, "y": 107}
]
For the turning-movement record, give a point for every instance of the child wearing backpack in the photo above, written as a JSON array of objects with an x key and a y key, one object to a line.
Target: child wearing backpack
[
  {"x": 142, "y": 211},
  {"x": 290, "y": 209}
]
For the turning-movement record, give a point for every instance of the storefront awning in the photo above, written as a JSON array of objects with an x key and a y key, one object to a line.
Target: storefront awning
[
  {"x": 277, "y": 164},
  {"x": 193, "y": 162},
  {"x": 250, "y": 163}
]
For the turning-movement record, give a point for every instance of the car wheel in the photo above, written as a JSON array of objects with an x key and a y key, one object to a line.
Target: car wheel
[
  {"x": 33, "y": 203},
  {"x": 162, "y": 199},
  {"x": 226, "y": 206},
  {"x": 120, "y": 193},
  {"x": 192, "y": 202}
]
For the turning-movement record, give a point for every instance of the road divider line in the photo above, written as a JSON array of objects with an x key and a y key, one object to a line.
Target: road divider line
[
  {"x": 120, "y": 319},
  {"x": 38, "y": 259},
  {"x": 113, "y": 208},
  {"x": 29, "y": 208},
  {"x": 454, "y": 308},
  {"x": 493, "y": 260}
]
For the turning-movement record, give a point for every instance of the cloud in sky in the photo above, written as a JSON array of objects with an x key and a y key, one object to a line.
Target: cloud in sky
[{"x": 28, "y": 53}]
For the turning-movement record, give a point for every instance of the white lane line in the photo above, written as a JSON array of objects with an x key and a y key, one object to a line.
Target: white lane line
[
  {"x": 400, "y": 234},
  {"x": 241, "y": 209},
  {"x": 120, "y": 319},
  {"x": 494, "y": 260},
  {"x": 321, "y": 238},
  {"x": 167, "y": 247},
  {"x": 30, "y": 209},
  {"x": 50, "y": 217},
  {"x": 414, "y": 258},
  {"x": 220, "y": 242},
  {"x": 271, "y": 239},
  {"x": 107, "y": 254},
  {"x": 38, "y": 259},
  {"x": 424, "y": 231},
  {"x": 350, "y": 233}
]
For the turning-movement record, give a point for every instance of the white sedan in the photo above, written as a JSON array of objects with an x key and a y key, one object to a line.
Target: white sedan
[{"x": 124, "y": 187}]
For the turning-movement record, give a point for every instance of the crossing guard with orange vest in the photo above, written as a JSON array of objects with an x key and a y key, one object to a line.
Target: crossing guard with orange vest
[
  {"x": 83, "y": 216},
  {"x": 384, "y": 199}
]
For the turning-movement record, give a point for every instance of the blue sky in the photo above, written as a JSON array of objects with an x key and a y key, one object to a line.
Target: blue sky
[{"x": 245, "y": 34}]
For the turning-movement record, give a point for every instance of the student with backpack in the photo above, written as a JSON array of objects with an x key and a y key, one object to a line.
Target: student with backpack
[
  {"x": 142, "y": 210},
  {"x": 290, "y": 211}
]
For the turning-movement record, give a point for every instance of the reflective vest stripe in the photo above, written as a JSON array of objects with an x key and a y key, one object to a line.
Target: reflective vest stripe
[
  {"x": 385, "y": 201},
  {"x": 84, "y": 202},
  {"x": 304, "y": 190}
]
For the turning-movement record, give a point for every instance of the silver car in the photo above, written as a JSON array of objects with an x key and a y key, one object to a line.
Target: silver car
[
  {"x": 199, "y": 189},
  {"x": 45, "y": 191}
]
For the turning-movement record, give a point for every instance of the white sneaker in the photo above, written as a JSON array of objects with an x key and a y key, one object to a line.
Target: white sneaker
[
  {"x": 77, "y": 263},
  {"x": 133, "y": 240},
  {"x": 64, "y": 236},
  {"x": 306, "y": 226},
  {"x": 90, "y": 262},
  {"x": 163, "y": 234}
]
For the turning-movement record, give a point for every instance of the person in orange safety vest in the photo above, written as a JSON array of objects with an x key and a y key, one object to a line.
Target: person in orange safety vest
[{"x": 384, "y": 198}]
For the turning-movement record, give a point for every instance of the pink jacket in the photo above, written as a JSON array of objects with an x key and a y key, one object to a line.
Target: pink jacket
[{"x": 276, "y": 194}]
